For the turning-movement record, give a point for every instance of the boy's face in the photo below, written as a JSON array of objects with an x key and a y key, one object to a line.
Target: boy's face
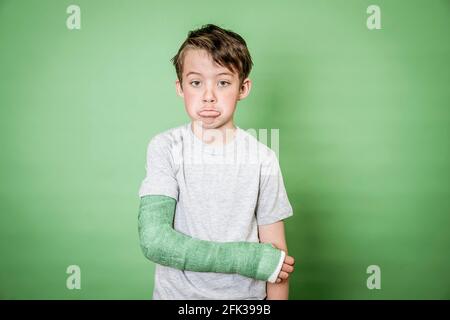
[{"x": 210, "y": 92}]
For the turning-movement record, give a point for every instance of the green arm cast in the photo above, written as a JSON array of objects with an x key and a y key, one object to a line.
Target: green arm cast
[{"x": 164, "y": 245}]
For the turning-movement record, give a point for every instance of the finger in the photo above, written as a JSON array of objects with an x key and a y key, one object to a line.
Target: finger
[
  {"x": 283, "y": 275},
  {"x": 278, "y": 280},
  {"x": 287, "y": 268},
  {"x": 289, "y": 260}
]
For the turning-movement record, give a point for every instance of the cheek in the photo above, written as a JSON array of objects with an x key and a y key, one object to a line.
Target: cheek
[
  {"x": 230, "y": 96},
  {"x": 190, "y": 97}
]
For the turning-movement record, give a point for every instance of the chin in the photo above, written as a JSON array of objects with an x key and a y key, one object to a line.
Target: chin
[
  {"x": 213, "y": 125},
  {"x": 216, "y": 123}
]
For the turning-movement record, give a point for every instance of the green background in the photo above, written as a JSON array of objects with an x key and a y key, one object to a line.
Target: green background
[{"x": 364, "y": 139}]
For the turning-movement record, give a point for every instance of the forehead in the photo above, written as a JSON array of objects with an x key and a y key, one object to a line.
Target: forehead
[{"x": 200, "y": 61}]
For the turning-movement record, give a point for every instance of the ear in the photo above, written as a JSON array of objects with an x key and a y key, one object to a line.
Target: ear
[
  {"x": 245, "y": 88},
  {"x": 179, "y": 88}
]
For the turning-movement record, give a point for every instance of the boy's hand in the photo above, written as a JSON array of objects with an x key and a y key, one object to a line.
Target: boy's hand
[{"x": 286, "y": 269}]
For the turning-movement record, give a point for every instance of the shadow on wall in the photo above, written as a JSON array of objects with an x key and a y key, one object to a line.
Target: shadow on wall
[{"x": 283, "y": 102}]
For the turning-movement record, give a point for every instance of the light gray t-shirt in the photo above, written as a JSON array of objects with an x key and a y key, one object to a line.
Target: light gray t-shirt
[{"x": 223, "y": 193}]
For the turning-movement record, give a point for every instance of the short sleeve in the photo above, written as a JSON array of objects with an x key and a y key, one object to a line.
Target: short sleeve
[
  {"x": 160, "y": 174},
  {"x": 273, "y": 204}
]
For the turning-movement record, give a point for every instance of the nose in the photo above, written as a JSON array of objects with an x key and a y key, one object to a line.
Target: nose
[{"x": 209, "y": 95}]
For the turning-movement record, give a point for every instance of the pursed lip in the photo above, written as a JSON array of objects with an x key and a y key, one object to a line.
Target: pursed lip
[{"x": 209, "y": 113}]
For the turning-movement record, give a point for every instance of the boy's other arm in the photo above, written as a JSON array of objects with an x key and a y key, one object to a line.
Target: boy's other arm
[{"x": 274, "y": 233}]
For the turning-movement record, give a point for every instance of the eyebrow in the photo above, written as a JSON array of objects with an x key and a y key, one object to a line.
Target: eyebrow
[{"x": 219, "y": 74}]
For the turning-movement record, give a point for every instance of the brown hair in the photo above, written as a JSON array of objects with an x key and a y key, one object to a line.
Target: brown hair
[{"x": 227, "y": 49}]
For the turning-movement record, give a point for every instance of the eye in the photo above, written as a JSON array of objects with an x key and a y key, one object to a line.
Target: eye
[
  {"x": 223, "y": 83},
  {"x": 195, "y": 83}
]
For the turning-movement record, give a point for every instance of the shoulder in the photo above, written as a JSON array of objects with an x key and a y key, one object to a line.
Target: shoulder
[
  {"x": 264, "y": 154},
  {"x": 168, "y": 139}
]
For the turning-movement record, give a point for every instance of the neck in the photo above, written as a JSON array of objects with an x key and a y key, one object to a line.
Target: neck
[{"x": 215, "y": 136}]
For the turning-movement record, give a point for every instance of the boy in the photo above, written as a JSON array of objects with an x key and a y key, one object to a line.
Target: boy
[{"x": 224, "y": 194}]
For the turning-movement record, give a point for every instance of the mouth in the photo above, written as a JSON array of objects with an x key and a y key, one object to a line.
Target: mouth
[{"x": 209, "y": 113}]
